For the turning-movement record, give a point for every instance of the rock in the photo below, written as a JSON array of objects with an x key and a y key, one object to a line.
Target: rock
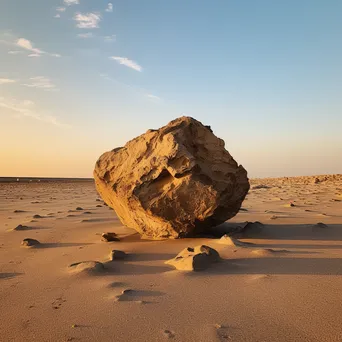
[
  {"x": 108, "y": 237},
  {"x": 173, "y": 182},
  {"x": 37, "y": 216},
  {"x": 260, "y": 186},
  {"x": 99, "y": 206},
  {"x": 319, "y": 226},
  {"x": 21, "y": 227},
  {"x": 86, "y": 267},
  {"x": 79, "y": 208},
  {"x": 30, "y": 242},
  {"x": 250, "y": 228},
  {"x": 117, "y": 255},
  {"x": 195, "y": 259}
]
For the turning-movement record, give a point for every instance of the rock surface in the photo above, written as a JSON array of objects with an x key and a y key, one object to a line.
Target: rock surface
[
  {"x": 172, "y": 182},
  {"x": 195, "y": 259},
  {"x": 117, "y": 255}
]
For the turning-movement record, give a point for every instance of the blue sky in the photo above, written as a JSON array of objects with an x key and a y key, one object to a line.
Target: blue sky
[{"x": 80, "y": 77}]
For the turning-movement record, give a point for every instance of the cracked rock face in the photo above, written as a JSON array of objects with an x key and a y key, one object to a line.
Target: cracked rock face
[{"x": 172, "y": 182}]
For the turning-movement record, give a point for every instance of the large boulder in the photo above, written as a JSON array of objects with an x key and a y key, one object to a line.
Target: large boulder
[{"x": 172, "y": 182}]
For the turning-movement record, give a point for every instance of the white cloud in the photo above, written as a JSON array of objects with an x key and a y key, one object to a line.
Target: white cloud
[
  {"x": 6, "y": 81},
  {"x": 41, "y": 82},
  {"x": 110, "y": 39},
  {"x": 87, "y": 21},
  {"x": 127, "y": 62},
  {"x": 153, "y": 97},
  {"x": 71, "y": 2},
  {"x": 14, "y": 52},
  {"x": 28, "y": 45},
  {"x": 109, "y": 7},
  {"x": 85, "y": 35},
  {"x": 57, "y": 15},
  {"x": 60, "y": 9},
  {"x": 27, "y": 108}
]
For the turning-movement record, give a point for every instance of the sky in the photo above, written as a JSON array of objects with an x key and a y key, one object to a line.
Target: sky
[{"x": 81, "y": 77}]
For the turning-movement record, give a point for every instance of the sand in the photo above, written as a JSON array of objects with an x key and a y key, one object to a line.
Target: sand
[{"x": 283, "y": 283}]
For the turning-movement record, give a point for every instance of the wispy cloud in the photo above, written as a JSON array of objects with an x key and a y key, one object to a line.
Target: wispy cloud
[
  {"x": 27, "y": 108},
  {"x": 141, "y": 92},
  {"x": 111, "y": 38},
  {"x": 14, "y": 52},
  {"x": 85, "y": 35},
  {"x": 71, "y": 2},
  {"x": 41, "y": 82},
  {"x": 60, "y": 9},
  {"x": 7, "y": 81},
  {"x": 28, "y": 45},
  {"x": 57, "y": 15},
  {"x": 153, "y": 97},
  {"x": 88, "y": 20},
  {"x": 109, "y": 7},
  {"x": 127, "y": 62}
]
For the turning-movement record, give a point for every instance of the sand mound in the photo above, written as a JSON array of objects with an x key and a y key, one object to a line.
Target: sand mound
[
  {"x": 230, "y": 241},
  {"x": 86, "y": 267},
  {"x": 268, "y": 251}
]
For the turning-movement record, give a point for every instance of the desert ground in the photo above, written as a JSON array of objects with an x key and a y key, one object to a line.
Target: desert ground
[{"x": 279, "y": 282}]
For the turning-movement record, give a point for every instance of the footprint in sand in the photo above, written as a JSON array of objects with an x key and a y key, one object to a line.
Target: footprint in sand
[
  {"x": 56, "y": 304},
  {"x": 169, "y": 333}
]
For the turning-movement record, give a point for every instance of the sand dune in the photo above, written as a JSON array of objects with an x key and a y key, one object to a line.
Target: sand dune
[{"x": 280, "y": 280}]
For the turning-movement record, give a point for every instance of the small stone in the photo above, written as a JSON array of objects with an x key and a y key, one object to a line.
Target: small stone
[
  {"x": 21, "y": 227},
  {"x": 319, "y": 226},
  {"x": 79, "y": 208},
  {"x": 117, "y": 255},
  {"x": 194, "y": 259},
  {"x": 99, "y": 206},
  {"x": 127, "y": 291},
  {"x": 108, "y": 237},
  {"x": 28, "y": 242},
  {"x": 37, "y": 216}
]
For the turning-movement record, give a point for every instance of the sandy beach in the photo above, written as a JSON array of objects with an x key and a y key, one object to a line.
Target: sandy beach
[{"x": 282, "y": 282}]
